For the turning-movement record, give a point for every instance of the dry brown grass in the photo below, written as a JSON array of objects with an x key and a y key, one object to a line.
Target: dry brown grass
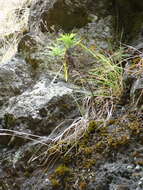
[{"x": 13, "y": 22}]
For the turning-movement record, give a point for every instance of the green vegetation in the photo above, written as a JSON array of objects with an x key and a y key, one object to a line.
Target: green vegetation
[
  {"x": 106, "y": 72},
  {"x": 63, "y": 44},
  {"x": 93, "y": 134},
  {"x": 61, "y": 176},
  {"x": 104, "y": 76},
  {"x": 62, "y": 170},
  {"x": 55, "y": 183},
  {"x": 68, "y": 40}
]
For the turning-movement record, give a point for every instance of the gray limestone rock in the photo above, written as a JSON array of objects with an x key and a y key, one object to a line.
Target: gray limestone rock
[{"x": 15, "y": 77}]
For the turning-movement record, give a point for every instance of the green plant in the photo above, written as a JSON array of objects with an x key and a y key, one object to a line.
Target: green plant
[
  {"x": 68, "y": 40},
  {"x": 61, "y": 47},
  {"x": 57, "y": 51},
  {"x": 107, "y": 71},
  {"x": 62, "y": 170}
]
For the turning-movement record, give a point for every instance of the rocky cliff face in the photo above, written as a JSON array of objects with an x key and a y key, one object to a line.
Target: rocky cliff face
[{"x": 54, "y": 134}]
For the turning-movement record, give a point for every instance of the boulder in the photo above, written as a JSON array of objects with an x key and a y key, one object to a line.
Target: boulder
[
  {"x": 41, "y": 108},
  {"x": 34, "y": 101},
  {"x": 64, "y": 14},
  {"x": 15, "y": 77}
]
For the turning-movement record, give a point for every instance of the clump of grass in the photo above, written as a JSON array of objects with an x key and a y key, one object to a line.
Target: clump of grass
[{"x": 106, "y": 72}]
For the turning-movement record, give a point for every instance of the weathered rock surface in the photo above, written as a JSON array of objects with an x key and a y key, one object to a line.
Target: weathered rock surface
[
  {"x": 64, "y": 14},
  {"x": 15, "y": 77},
  {"x": 107, "y": 160},
  {"x": 35, "y": 105},
  {"x": 41, "y": 108},
  {"x": 32, "y": 103},
  {"x": 50, "y": 15}
]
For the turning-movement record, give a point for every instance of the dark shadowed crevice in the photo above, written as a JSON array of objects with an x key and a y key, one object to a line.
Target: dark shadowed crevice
[
  {"x": 128, "y": 20},
  {"x": 62, "y": 16}
]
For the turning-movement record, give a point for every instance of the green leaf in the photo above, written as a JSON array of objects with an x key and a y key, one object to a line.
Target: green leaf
[{"x": 69, "y": 40}]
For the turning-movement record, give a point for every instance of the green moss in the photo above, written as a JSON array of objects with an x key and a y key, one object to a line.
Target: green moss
[
  {"x": 135, "y": 127},
  {"x": 67, "y": 158},
  {"x": 92, "y": 126},
  {"x": 62, "y": 170},
  {"x": 111, "y": 122},
  {"x": 87, "y": 151},
  {"x": 89, "y": 163},
  {"x": 54, "y": 149},
  {"x": 9, "y": 120},
  {"x": 61, "y": 177},
  {"x": 118, "y": 141},
  {"x": 55, "y": 183},
  {"x": 27, "y": 174},
  {"x": 96, "y": 142},
  {"x": 96, "y": 126},
  {"x": 100, "y": 146}
]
